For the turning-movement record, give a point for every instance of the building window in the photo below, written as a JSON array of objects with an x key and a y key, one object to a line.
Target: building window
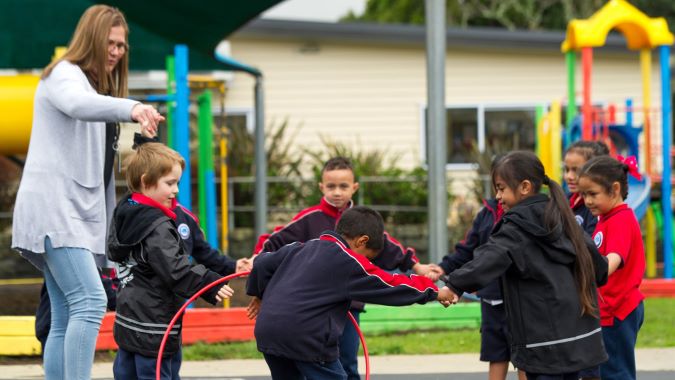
[
  {"x": 462, "y": 134},
  {"x": 509, "y": 129},
  {"x": 480, "y": 128}
]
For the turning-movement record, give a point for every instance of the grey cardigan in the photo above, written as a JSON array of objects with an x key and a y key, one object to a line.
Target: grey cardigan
[{"x": 62, "y": 193}]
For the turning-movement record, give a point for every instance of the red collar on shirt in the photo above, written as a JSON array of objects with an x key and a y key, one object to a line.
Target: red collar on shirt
[
  {"x": 575, "y": 200},
  {"x": 496, "y": 212},
  {"x": 142, "y": 199},
  {"x": 331, "y": 210},
  {"x": 614, "y": 211}
]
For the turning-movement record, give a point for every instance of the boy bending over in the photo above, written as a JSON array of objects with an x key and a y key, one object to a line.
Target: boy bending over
[{"x": 306, "y": 289}]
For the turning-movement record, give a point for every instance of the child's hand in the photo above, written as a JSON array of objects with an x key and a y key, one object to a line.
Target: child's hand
[
  {"x": 244, "y": 265},
  {"x": 447, "y": 297},
  {"x": 435, "y": 272},
  {"x": 224, "y": 293},
  {"x": 427, "y": 270},
  {"x": 253, "y": 308}
]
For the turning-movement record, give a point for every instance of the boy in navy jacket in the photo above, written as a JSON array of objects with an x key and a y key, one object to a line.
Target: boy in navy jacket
[
  {"x": 306, "y": 290},
  {"x": 338, "y": 185}
]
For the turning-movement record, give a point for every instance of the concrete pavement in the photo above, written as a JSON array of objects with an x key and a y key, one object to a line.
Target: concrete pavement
[{"x": 648, "y": 359}]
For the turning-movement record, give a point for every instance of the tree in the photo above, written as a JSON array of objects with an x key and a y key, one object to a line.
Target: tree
[{"x": 509, "y": 14}]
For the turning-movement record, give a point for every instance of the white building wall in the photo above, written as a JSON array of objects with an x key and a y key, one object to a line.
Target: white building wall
[{"x": 373, "y": 95}]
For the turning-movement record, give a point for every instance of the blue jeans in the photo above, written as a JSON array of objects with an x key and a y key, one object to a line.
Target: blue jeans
[
  {"x": 289, "y": 369},
  {"x": 131, "y": 366},
  {"x": 78, "y": 306},
  {"x": 620, "y": 341},
  {"x": 349, "y": 348}
]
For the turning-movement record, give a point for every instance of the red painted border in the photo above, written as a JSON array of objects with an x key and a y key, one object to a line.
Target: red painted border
[
  {"x": 206, "y": 325},
  {"x": 658, "y": 287}
]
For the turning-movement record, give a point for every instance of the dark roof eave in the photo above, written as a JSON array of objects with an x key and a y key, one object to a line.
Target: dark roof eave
[{"x": 401, "y": 34}]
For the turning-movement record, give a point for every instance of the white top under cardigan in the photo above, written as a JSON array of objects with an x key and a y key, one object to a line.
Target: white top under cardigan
[{"x": 62, "y": 193}]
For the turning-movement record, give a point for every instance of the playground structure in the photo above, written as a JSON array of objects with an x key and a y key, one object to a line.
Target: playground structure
[{"x": 644, "y": 34}]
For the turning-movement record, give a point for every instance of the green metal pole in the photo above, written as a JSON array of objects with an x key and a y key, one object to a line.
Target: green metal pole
[
  {"x": 171, "y": 105},
  {"x": 570, "y": 60},
  {"x": 205, "y": 121}
]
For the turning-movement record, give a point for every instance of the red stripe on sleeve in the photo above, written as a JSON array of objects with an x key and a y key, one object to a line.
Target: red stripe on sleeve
[{"x": 419, "y": 283}]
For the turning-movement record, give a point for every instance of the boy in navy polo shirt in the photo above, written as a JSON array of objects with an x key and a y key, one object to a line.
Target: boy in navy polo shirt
[
  {"x": 306, "y": 290},
  {"x": 338, "y": 185}
]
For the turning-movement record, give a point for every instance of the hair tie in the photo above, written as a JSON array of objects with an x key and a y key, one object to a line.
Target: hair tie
[
  {"x": 632, "y": 165},
  {"x": 546, "y": 181}
]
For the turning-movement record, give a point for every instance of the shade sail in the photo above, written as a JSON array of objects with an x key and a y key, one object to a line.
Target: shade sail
[{"x": 31, "y": 29}]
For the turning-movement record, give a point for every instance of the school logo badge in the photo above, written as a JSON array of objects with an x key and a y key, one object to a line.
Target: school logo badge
[
  {"x": 580, "y": 219},
  {"x": 597, "y": 239},
  {"x": 184, "y": 231}
]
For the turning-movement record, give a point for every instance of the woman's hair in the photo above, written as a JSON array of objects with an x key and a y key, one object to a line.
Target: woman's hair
[
  {"x": 606, "y": 170},
  {"x": 88, "y": 49},
  {"x": 152, "y": 160},
  {"x": 588, "y": 149},
  {"x": 519, "y": 166},
  {"x": 361, "y": 220}
]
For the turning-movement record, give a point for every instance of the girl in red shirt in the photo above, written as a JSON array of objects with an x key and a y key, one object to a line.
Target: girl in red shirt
[{"x": 604, "y": 187}]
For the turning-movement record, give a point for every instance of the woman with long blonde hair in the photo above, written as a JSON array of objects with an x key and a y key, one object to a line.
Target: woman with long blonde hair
[{"x": 67, "y": 192}]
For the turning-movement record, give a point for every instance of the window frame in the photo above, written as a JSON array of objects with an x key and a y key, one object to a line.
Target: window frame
[{"x": 481, "y": 108}]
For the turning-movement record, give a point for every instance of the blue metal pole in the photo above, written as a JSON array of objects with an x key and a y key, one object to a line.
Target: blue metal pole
[
  {"x": 183, "y": 123},
  {"x": 211, "y": 230},
  {"x": 666, "y": 141},
  {"x": 629, "y": 113}
]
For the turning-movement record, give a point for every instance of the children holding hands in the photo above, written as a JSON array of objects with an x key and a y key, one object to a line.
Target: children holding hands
[
  {"x": 306, "y": 290},
  {"x": 338, "y": 185}
]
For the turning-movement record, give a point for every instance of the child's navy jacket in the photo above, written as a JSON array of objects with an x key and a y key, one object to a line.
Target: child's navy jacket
[
  {"x": 536, "y": 267},
  {"x": 478, "y": 235},
  {"x": 197, "y": 246},
  {"x": 311, "y": 222},
  {"x": 306, "y": 289},
  {"x": 582, "y": 214}
]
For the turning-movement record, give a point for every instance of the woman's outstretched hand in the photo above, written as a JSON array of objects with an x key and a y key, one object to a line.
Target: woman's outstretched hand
[{"x": 148, "y": 117}]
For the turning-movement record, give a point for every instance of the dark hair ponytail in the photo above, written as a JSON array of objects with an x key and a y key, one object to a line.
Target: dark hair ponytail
[
  {"x": 519, "y": 166},
  {"x": 557, "y": 210}
]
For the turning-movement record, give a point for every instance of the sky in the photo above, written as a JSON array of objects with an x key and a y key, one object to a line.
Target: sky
[{"x": 314, "y": 10}]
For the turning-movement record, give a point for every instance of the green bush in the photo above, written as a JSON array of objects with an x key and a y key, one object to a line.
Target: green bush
[{"x": 282, "y": 161}]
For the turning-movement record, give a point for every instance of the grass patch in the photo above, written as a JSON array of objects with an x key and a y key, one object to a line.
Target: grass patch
[
  {"x": 423, "y": 342},
  {"x": 658, "y": 330},
  {"x": 219, "y": 351}
]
